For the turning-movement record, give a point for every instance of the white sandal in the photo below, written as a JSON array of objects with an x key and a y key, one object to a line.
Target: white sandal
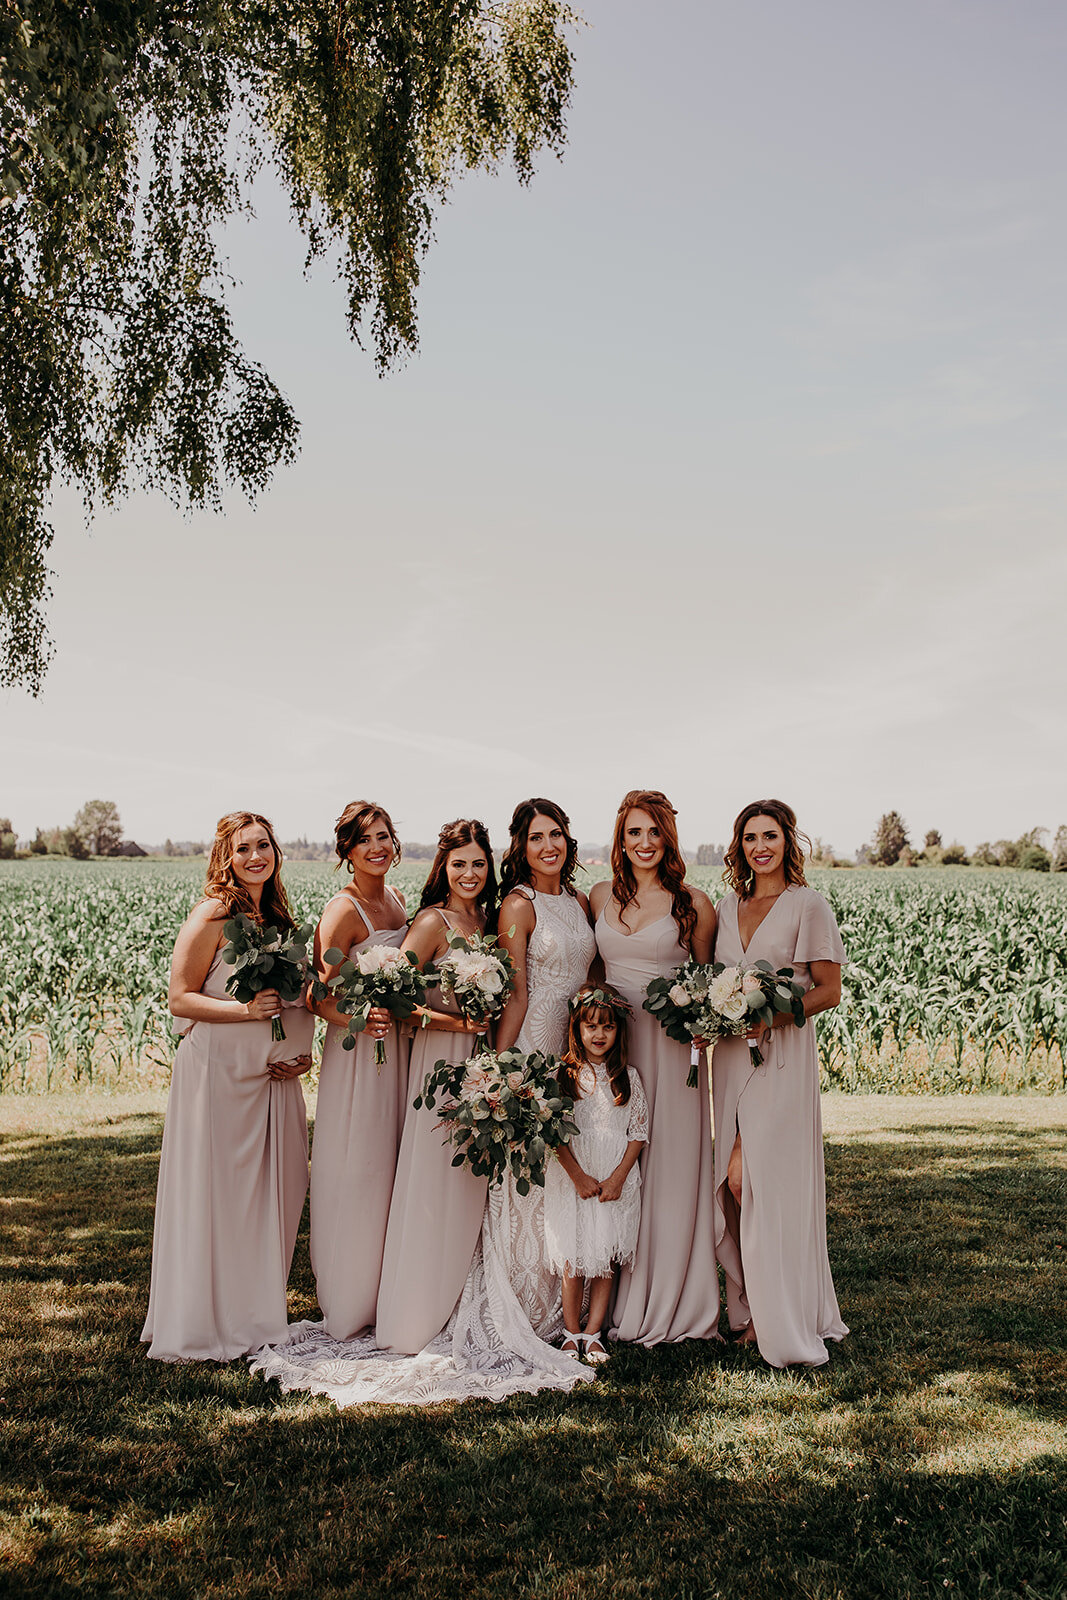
[
  {"x": 574, "y": 1340},
  {"x": 595, "y": 1357}
]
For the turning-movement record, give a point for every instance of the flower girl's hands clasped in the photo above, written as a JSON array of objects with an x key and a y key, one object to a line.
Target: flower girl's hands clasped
[
  {"x": 588, "y": 1188},
  {"x": 611, "y": 1187}
]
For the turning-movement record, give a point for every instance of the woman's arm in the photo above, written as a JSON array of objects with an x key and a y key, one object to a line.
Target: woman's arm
[
  {"x": 703, "y": 940},
  {"x": 194, "y": 951},
  {"x": 340, "y": 927},
  {"x": 515, "y": 924},
  {"x": 824, "y": 994},
  {"x": 427, "y": 940}
]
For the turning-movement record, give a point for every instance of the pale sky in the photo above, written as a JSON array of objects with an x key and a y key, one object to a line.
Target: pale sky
[{"x": 732, "y": 464}]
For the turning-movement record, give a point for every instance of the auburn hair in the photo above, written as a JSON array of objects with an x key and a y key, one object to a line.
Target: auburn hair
[
  {"x": 592, "y": 1000},
  {"x": 514, "y": 867},
  {"x": 465, "y": 830},
  {"x": 353, "y": 822},
  {"x": 737, "y": 873},
  {"x": 222, "y": 885},
  {"x": 671, "y": 869}
]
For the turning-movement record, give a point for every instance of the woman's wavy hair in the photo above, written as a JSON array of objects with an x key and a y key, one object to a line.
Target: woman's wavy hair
[
  {"x": 671, "y": 868},
  {"x": 465, "y": 830},
  {"x": 737, "y": 873},
  {"x": 222, "y": 885},
  {"x": 353, "y": 822},
  {"x": 592, "y": 1000},
  {"x": 514, "y": 868}
]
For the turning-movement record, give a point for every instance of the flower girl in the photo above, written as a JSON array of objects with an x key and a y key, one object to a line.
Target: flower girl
[{"x": 593, "y": 1189}]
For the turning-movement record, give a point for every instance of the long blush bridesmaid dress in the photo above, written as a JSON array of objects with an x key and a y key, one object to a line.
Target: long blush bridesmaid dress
[
  {"x": 233, "y": 1175},
  {"x": 358, "y": 1122},
  {"x": 775, "y": 1261},
  {"x": 672, "y": 1290},
  {"x": 436, "y": 1212}
]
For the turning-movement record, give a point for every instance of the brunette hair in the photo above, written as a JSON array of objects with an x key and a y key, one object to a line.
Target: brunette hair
[
  {"x": 738, "y": 874},
  {"x": 354, "y": 820},
  {"x": 514, "y": 868},
  {"x": 671, "y": 868},
  {"x": 591, "y": 999},
  {"x": 222, "y": 885},
  {"x": 465, "y": 830}
]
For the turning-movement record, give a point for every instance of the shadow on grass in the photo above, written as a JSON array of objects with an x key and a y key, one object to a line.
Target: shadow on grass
[{"x": 928, "y": 1457}]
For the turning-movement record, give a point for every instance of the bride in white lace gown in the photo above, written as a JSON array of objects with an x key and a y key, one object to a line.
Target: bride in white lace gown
[
  {"x": 495, "y": 1343},
  {"x": 511, "y": 1303}
]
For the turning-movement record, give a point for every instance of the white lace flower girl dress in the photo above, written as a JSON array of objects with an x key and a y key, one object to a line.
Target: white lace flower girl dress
[{"x": 590, "y": 1237}]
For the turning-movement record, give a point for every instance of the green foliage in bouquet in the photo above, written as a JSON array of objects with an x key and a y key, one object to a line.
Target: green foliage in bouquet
[
  {"x": 262, "y": 959},
  {"x": 478, "y": 974},
  {"x": 663, "y": 999},
  {"x": 504, "y": 1111},
  {"x": 380, "y": 976}
]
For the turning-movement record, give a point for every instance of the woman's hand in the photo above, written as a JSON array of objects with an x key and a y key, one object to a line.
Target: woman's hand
[
  {"x": 266, "y": 1004},
  {"x": 379, "y": 1021},
  {"x": 280, "y": 1070},
  {"x": 611, "y": 1188}
]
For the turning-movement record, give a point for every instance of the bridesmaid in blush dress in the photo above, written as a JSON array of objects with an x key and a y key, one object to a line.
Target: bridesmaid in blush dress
[
  {"x": 770, "y": 1186},
  {"x": 233, "y": 1170},
  {"x": 435, "y": 1215},
  {"x": 360, "y": 1109},
  {"x": 648, "y": 920}
]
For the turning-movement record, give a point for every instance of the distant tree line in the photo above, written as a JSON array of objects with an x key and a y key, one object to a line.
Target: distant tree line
[
  {"x": 95, "y": 831},
  {"x": 891, "y": 847}
]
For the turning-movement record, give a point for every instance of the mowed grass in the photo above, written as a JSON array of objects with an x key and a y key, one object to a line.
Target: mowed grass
[{"x": 927, "y": 1458}]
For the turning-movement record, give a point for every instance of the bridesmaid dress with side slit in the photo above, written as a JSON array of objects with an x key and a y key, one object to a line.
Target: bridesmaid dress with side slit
[
  {"x": 672, "y": 1290},
  {"x": 359, "y": 1118},
  {"x": 774, "y": 1253}
]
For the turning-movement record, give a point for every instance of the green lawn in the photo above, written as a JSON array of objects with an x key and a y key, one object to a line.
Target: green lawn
[{"x": 929, "y": 1457}]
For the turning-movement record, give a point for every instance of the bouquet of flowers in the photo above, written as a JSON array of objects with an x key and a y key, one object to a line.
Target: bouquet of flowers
[
  {"x": 739, "y": 998},
  {"x": 379, "y": 976},
  {"x": 262, "y": 959},
  {"x": 479, "y": 975},
  {"x": 504, "y": 1111},
  {"x": 720, "y": 1002}
]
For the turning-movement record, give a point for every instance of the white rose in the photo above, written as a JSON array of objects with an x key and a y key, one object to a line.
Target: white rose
[
  {"x": 750, "y": 983},
  {"x": 678, "y": 996},
  {"x": 734, "y": 1008}
]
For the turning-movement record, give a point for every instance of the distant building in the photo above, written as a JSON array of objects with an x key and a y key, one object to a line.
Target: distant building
[{"x": 130, "y": 847}]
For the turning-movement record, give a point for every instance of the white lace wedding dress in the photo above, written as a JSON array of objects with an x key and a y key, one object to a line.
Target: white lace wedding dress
[{"x": 495, "y": 1344}]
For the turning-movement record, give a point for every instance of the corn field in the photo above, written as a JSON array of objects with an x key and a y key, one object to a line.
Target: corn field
[{"x": 956, "y": 980}]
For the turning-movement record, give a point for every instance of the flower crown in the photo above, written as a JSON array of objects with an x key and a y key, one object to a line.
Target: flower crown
[{"x": 585, "y": 999}]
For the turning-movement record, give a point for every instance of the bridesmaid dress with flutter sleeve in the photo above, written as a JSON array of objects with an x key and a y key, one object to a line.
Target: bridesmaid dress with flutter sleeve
[
  {"x": 359, "y": 1117},
  {"x": 672, "y": 1290},
  {"x": 775, "y": 1259}
]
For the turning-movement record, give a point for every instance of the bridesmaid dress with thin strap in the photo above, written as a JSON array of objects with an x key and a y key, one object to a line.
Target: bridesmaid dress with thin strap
[
  {"x": 672, "y": 1290},
  {"x": 774, "y": 1257},
  {"x": 358, "y": 1122},
  {"x": 436, "y": 1212},
  {"x": 232, "y": 1179}
]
